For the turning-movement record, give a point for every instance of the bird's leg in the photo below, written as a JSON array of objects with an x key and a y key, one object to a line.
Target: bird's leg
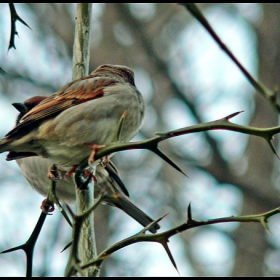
[
  {"x": 94, "y": 148},
  {"x": 71, "y": 171},
  {"x": 87, "y": 173},
  {"x": 51, "y": 174}
]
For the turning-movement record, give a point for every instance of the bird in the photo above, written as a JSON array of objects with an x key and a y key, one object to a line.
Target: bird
[
  {"x": 80, "y": 118},
  {"x": 109, "y": 90}
]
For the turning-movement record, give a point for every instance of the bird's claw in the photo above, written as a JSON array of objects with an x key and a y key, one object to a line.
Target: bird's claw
[
  {"x": 53, "y": 174},
  {"x": 94, "y": 148}
]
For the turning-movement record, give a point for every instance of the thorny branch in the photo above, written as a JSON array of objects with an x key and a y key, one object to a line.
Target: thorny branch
[
  {"x": 269, "y": 95},
  {"x": 14, "y": 18},
  {"x": 152, "y": 143},
  {"x": 163, "y": 238},
  {"x": 29, "y": 245}
]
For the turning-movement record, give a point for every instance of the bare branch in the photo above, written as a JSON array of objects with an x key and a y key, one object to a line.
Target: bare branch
[
  {"x": 84, "y": 197},
  {"x": 269, "y": 95},
  {"x": 14, "y": 18}
]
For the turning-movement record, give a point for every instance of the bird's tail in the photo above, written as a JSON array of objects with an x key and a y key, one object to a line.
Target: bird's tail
[
  {"x": 116, "y": 194},
  {"x": 132, "y": 210},
  {"x": 4, "y": 143}
]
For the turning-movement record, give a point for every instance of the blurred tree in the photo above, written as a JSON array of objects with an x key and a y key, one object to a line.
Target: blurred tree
[{"x": 185, "y": 79}]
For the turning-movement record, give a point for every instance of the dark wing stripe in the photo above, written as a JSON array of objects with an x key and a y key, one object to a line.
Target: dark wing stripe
[
  {"x": 70, "y": 95},
  {"x": 50, "y": 111},
  {"x": 14, "y": 155},
  {"x": 29, "y": 123},
  {"x": 79, "y": 92}
]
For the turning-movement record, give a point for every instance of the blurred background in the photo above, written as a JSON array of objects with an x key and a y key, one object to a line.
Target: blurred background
[{"x": 185, "y": 79}]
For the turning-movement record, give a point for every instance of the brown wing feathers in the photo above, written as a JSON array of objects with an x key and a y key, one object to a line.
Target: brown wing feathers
[{"x": 72, "y": 94}]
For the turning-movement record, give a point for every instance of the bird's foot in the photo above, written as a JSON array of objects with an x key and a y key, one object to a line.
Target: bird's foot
[
  {"x": 87, "y": 173},
  {"x": 94, "y": 148},
  {"x": 70, "y": 172},
  {"x": 53, "y": 174}
]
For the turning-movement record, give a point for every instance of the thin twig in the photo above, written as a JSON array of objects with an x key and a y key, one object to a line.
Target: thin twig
[
  {"x": 14, "y": 18},
  {"x": 268, "y": 94}
]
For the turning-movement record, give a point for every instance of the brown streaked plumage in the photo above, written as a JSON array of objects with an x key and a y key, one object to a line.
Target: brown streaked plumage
[
  {"x": 74, "y": 93},
  {"x": 86, "y": 110},
  {"x": 35, "y": 171}
]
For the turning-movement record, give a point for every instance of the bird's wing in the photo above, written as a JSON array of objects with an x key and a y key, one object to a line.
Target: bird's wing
[{"x": 72, "y": 94}]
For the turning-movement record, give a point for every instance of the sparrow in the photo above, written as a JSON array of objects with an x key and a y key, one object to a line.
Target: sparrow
[
  {"x": 35, "y": 168},
  {"x": 80, "y": 118}
]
